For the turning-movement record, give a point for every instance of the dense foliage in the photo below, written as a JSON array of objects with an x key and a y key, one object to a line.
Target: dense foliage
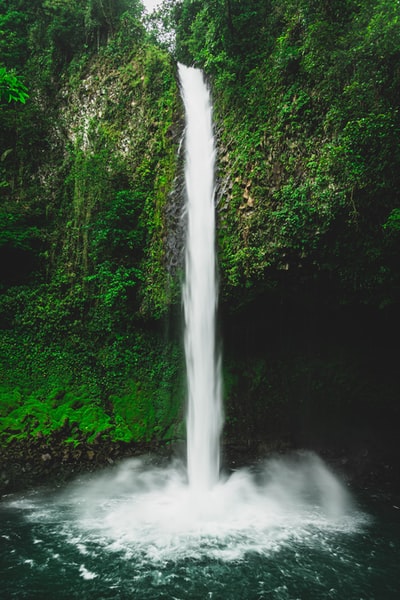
[
  {"x": 307, "y": 119},
  {"x": 307, "y": 99},
  {"x": 88, "y": 164}
]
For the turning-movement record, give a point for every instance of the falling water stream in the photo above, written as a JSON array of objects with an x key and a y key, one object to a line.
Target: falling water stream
[
  {"x": 287, "y": 529},
  {"x": 204, "y": 418}
]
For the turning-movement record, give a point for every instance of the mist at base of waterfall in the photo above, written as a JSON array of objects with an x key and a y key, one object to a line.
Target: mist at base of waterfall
[
  {"x": 286, "y": 530},
  {"x": 144, "y": 510}
]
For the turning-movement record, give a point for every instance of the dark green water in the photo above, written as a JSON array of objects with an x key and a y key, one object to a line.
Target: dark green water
[{"x": 113, "y": 537}]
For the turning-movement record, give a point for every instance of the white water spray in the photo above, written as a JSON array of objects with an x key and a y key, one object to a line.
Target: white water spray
[{"x": 204, "y": 419}]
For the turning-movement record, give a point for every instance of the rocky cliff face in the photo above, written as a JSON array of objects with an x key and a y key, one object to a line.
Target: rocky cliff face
[
  {"x": 100, "y": 215},
  {"x": 307, "y": 238},
  {"x": 120, "y": 120}
]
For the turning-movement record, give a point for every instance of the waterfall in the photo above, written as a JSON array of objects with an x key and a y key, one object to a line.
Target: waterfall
[
  {"x": 288, "y": 528},
  {"x": 200, "y": 291}
]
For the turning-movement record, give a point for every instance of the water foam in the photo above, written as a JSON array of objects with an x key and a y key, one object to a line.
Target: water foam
[{"x": 141, "y": 509}]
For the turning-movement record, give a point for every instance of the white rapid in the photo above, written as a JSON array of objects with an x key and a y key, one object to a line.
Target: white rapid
[{"x": 204, "y": 418}]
